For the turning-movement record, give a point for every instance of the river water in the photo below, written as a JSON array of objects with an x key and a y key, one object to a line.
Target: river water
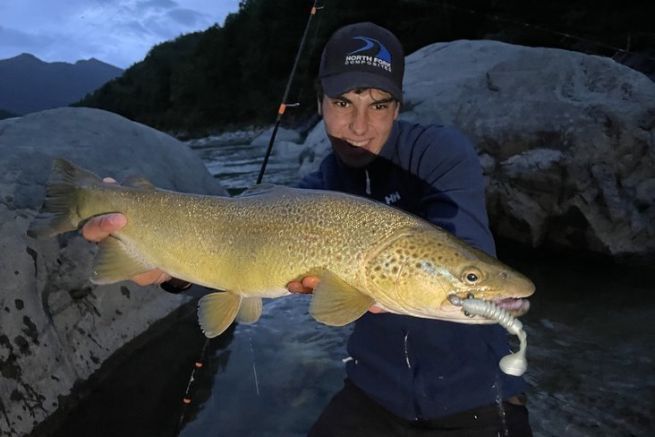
[{"x": 590, "y": 331}]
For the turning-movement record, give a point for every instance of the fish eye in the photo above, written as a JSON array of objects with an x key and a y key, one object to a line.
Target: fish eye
[{"x": 472, "y": 275}]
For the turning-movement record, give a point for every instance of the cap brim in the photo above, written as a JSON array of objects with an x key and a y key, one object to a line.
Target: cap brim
[{"x": 338, "y": 84}]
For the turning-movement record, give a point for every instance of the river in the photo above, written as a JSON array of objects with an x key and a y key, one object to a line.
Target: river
[{"x": 590, "y": 331}]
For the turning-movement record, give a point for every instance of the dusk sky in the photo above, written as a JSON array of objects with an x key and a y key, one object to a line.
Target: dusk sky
[{"x": 119, "y": 32}]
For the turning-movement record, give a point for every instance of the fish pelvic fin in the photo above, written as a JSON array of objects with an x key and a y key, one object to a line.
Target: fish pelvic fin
[
  {"x": 217, "y": 311},
  {"x": 251, "y": 310},
  {"x": 63, "y": 189},
  {"x": 337, "y": 303},
  {"x": 115, "y": 262}
]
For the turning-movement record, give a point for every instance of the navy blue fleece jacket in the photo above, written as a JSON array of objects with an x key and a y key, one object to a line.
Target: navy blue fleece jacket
[{"x": 421, "y": 368}]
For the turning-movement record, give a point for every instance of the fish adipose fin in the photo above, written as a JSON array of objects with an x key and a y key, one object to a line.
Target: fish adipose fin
[
  {"x": 251, "y": 310},
  {"x": 58, "y": 214},
  {"x": 337, "y": 303},
  {"x": 217, "y": 311},
  {"x": 114, "y": 262}
]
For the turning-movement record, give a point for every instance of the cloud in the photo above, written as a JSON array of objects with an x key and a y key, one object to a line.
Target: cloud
[
  {"x": 188, "y": 18},
  {"x": 13, "y": 39},
  {"x": 119, "y": 32},
  {"x": 156, "y": 4}
]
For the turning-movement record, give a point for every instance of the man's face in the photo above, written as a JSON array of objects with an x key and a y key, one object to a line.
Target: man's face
[{"x": 358, "y": 124}]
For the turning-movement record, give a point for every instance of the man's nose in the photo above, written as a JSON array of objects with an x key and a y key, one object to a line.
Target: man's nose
[{"x": 359, "y": 122}]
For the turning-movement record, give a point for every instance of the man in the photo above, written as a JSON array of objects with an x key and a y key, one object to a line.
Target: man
[{"x": 407, "y": 376}]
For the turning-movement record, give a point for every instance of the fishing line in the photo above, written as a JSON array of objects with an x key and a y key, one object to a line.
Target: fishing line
[{"x": 187, "y": 399}]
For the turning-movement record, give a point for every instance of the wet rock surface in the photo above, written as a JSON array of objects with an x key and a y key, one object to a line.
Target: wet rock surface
[{"x": 56, "y": 328}]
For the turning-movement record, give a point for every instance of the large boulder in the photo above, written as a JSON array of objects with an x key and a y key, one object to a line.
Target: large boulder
[
  {"x": 565, "y": 139},
  {"x": 56, "y": 328}
]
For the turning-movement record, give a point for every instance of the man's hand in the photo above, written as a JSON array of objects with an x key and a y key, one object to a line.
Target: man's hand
[
  {"x": 99, "y": 228},
  {"x": 309, "y": 283}
]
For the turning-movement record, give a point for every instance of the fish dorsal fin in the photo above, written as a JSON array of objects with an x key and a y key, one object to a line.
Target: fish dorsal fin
[
  {"x": 337, "y": 303},
  {"x": 139, "y": 182},
  {"x": 217, "y": 311},
  {"x": 114, "y": 262},
  {"x": 260, "y": 189},
  {"x": 251, "y": 310}
]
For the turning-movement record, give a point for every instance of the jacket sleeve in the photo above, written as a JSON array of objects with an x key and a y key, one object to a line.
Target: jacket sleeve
[
  {"x": 312, "y": 181},
  {"x": 453, "y": 195}
]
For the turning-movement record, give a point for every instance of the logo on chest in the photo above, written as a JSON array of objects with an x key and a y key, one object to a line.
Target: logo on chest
[{"x": 392, "y": 198}]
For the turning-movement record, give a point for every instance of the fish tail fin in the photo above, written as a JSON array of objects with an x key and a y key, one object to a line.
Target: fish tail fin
[{"x": 59, "y": 212}]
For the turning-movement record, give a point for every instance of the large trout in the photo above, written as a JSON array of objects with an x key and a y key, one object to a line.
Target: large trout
[{"x": 251, "y": 246}]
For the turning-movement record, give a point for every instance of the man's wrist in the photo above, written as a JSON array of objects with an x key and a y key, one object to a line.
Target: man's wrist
[{"x": 175, "y": 285}]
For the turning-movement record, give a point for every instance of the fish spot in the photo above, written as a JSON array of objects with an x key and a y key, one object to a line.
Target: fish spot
[{"x": 19, "y": 304}]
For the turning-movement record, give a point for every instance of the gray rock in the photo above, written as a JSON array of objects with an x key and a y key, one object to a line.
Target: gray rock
[
  {"x": 573, "y": 136},
  {"x": 567, "y": 140},
  {"x": 56, "y": 328}
]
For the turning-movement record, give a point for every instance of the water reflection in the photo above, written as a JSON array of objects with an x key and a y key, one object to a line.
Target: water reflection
[{"x": 280, "y": 373}]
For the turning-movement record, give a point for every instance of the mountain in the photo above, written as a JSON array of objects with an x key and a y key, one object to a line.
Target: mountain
[{"x": 28, "y": 84}]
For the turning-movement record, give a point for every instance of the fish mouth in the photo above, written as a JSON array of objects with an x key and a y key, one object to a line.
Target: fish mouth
[{"x": 515, "y": 306}]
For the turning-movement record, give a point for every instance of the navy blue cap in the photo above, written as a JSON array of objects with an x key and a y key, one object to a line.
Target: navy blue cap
[{"x": 362, "y": 55}]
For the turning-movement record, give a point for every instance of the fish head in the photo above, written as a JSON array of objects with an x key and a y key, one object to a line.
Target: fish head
[{"x": 416, "y": 271}]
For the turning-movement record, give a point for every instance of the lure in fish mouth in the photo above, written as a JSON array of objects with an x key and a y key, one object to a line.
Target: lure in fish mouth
[
  {"x": 515, "y": 363},
  {"x": 515, "y": 306}
]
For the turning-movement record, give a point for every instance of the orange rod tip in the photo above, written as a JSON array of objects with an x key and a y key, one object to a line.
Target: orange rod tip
[
  {"x": 198, "y": 364},
  {"x": 313, "y": 10},
  {"x": 187, "y": 401}
]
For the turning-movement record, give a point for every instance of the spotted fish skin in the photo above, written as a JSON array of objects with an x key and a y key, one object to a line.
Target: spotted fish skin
[{"x": 253, "y": 245}]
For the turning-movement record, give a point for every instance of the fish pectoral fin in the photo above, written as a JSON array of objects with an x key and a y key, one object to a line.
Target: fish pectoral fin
[
  {"x": 251, "y": 310},
  {"x": 337, "y": 303},
  {"x": 217, "y": 311},
  {"x": 114, "y": 262}
]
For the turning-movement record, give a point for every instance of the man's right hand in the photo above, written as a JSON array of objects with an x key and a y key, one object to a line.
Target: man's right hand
[{"x": 100, "y": 227}]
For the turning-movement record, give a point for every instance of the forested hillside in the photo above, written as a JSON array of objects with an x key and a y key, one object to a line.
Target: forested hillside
[{"x": 235, "y": 74}]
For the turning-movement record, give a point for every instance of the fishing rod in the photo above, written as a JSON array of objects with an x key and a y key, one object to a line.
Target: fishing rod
[
  {"x": 199, "y": 363},
  {"x": 284, "y": 105}
]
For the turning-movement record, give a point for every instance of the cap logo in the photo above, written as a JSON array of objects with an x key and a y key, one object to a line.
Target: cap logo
[{"x": 382, "y": 59}]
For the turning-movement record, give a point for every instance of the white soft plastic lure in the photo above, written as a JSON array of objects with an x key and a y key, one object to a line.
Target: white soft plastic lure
[{"x": 513, "y": 364}]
